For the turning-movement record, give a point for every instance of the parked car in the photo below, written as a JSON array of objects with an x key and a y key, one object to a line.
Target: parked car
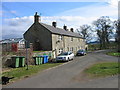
[
  {"x": 65, "y": 56},
  {"x": 81, "y": 52}
]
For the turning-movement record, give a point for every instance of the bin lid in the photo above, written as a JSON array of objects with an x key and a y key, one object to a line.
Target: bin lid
[
  {"x": 45, "y": 55},
  {"x": 40, "y": 55}
]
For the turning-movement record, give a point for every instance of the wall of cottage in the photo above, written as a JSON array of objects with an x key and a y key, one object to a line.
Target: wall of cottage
[
  {"x": 57, "y": 44},
  {"x": 40, "y": 37},
  {"x": 67, "y": 43},
  {"x": 74, "y": 44}
]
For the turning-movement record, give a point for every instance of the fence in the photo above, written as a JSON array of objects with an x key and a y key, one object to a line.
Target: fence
[{"x": 13, "y": 47}]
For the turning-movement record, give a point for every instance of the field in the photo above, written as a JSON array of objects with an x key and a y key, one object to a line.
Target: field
[{"x": 103, "y": 69}]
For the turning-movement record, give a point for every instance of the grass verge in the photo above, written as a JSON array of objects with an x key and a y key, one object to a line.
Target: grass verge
[
  {"x": 103, "y": 69},
  {"x": 113, "y": 54},
  {"x": 19, "y": 73}
]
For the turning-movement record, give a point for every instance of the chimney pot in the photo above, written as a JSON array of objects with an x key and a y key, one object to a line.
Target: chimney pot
[
  {"x": 65, "y": 28},
  {"x": 54, "y": 24},
  {"x": 36, "y": 18},
  {"x": 71, "y": 29}
]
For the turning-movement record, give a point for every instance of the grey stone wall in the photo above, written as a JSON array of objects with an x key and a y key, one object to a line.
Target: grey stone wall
[
  {"x": 67, "y": 44},
  {"x": 40, "y": 37}
]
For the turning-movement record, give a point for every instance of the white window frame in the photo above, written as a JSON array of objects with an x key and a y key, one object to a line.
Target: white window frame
[
  {"x": 60, "y": 50},
  {"x": 60, "y": 37},
  {"x": 72, "y": 49}
]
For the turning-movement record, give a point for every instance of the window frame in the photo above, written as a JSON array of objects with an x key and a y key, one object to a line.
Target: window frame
[
  {"x": 60, "y": 50},
  {"x": 60, "y": 37}
]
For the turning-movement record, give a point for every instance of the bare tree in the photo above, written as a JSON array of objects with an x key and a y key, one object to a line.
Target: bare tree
[
  {"x": 85, "y": 31},
  {"x": 103, "y": 27},
  {"x": 117, "y": 30},
  {"x": 117, "y": 36}
]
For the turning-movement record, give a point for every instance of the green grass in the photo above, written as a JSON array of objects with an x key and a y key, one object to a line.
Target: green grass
[
  {"x": 113, "y": 54},
  {"x": 103, "y": 69},
  {"x": 19, "y": 73}
]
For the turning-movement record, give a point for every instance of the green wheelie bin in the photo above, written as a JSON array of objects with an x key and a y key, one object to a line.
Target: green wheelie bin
[
  {"x": 15, "y": 61},
  {"x": 36, "y": 60},
  {"x": 22, "y": 61},
  {"x": 40, "y": 60}
]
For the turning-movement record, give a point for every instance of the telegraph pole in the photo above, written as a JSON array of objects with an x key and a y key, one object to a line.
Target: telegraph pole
[{"x": 27, "y": 46}]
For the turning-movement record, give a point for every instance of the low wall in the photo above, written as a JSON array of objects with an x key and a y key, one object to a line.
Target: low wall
[
  {"x": 37, "y": 53},
  {"x": 6, "y": 57}
]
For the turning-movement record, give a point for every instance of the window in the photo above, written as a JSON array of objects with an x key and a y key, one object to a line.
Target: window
[
  {"x": 60, "y": 50},
  {"x": 72, "y": 49},
  {"x": 71, "y": 38},
  {"x": 60, "y": 37}
]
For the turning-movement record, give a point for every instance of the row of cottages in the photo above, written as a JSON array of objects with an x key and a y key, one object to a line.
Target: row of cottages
[{"x": 50, "y": 38}]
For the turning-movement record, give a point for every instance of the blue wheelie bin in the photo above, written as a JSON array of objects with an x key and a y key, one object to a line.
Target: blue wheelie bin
[{"x": 45, "y": 58}]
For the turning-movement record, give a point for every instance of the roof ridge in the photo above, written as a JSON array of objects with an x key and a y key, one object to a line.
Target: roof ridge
[
  {"x": 53, "y": 26},
  {"x": 60, "y": 31}
]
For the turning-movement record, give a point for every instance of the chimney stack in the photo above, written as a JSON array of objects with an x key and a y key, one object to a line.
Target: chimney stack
[
  {"x": 71, "y": 29},
  {"x": 36, "y": 18},
  {"x": 65, "y": 28},
  {"x": 54, "y": 24}
]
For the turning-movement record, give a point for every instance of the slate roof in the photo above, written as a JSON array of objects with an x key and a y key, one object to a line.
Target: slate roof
[
  {"x": 60, "y": 31},
  {"x": 13, "y": 40}
]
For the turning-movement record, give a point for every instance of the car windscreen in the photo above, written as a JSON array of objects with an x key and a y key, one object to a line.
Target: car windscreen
[
  {"x": 65, "y": 53},
  {"x": 80, "y": 50}
]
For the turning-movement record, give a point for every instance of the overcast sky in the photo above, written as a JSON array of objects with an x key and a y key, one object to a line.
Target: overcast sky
[{"x": 17, "y": 17}]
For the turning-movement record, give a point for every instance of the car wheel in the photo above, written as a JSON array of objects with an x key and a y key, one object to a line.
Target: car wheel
[{"x": 68, "y": 59}]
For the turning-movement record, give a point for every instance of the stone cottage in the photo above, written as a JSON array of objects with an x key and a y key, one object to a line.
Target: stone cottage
[{"x": 50, "y": 38}]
